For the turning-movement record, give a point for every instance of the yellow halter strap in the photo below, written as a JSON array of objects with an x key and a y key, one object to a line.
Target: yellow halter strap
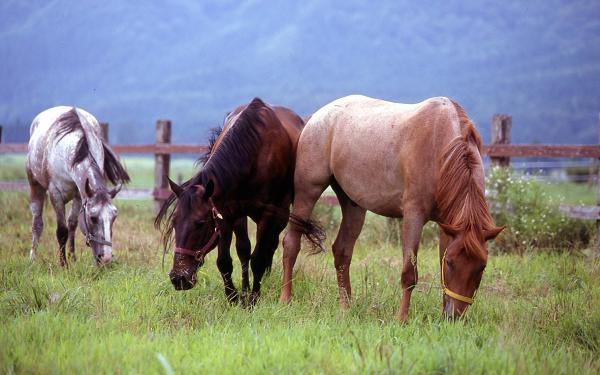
[{"x": 450, "y": 293}]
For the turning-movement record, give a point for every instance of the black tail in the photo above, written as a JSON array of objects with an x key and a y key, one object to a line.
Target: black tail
[
  {"x": 113, "y": 168},
  {"x": 312, "y": 230}
]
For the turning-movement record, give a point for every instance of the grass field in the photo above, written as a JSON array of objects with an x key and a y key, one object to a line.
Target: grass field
[{"x": 536, "y": 313}]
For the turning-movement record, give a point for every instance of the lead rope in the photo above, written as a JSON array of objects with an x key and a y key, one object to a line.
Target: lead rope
[{"x": 450, "y": 293}]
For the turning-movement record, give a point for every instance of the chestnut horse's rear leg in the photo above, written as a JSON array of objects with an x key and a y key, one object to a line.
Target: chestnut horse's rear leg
[
  {"x": 304, "y": 202},
  {"x": 412, "y": 225},
  {"x": 353, "y": 218},
  {"x": 37, "y": 196}
]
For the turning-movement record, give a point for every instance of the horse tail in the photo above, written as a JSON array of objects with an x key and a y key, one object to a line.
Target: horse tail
[
  {"x": 114, "y": 170},
  {"x": 312, "y": 230}
]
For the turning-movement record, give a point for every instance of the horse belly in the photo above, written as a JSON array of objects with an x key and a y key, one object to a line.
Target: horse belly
[{"x": 370, "y": 176}]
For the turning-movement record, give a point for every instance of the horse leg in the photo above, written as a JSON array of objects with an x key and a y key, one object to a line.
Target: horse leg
[
  {"x": 412, "y": 225},
  {"x": 267, "y": 239},
  {"x": 353, "y": 218},
  {"x": 37, "y": 196},
  {"x": 62, "y": 232},
  {"x": 243, "y": 247},
  {"x": 72, "y": 226},
  {"x": 225, "y": 264},
  {"x": 305, "y": 199}
]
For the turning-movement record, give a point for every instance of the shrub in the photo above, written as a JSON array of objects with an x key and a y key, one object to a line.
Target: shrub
[{"x": 531, "y": 216}]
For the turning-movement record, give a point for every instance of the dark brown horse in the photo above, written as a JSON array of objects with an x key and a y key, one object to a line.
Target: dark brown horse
[
  {"x": 416, "y": 161},
  {"x": 248, "y": 172}
]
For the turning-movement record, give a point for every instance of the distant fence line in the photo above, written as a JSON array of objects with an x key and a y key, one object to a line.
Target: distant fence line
[{"x": 500, "y": 150}]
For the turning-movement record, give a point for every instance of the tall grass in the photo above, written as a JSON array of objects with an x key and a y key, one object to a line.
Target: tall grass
[{"x": 537, "y": 313}]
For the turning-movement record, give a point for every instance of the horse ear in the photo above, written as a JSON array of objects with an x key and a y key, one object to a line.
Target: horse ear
[
  {"x": 490, "y": 234},
  {"x": 113, "y": 193},
  {"x": 175, "y": 188},
  {"x": 209, "y": 190},
  {"x": 88, "y": 188}
]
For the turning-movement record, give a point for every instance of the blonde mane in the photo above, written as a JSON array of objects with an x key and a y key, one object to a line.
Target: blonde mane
[{"x": 460, "y": 196}]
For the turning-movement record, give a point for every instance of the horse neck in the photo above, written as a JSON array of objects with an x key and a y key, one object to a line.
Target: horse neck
[{"x": 87, "y": 171}]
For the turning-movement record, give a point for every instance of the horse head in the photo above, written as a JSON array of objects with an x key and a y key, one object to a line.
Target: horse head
[
  {"x": 96, "y": 220},
  {"x": 462, "y": 264},
  {"x": 194, "y": 221}
]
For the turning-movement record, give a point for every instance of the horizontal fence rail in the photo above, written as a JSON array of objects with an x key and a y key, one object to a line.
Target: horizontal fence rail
[
  {"x": 500, "y": 151},
  {"x": 494, "y": 151}
]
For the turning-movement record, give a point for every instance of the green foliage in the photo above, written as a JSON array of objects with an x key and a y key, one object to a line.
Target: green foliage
[
  {"x": 531, "y": 216},
  {"x": 537, "y": 313}
]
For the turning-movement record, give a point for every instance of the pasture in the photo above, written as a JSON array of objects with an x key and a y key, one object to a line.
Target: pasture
[{"x": 536, "y": 313}]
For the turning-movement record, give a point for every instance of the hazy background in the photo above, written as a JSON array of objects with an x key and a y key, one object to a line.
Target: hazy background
[{"x": 130, "y": 63}]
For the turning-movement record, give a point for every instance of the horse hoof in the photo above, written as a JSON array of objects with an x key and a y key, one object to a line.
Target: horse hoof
[
  {"x": 254, "y": 298},
  {"x": 232, "y": 297},
  {"x": 403, "y": 318}
]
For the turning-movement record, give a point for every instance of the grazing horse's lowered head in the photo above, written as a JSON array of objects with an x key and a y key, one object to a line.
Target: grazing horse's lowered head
[
  {"x": 96, "y": 220},
  {"x": 194, "y": 221}
]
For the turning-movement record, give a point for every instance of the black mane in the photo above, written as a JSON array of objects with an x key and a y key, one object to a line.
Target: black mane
[
  {"x": 230, "y": 160},
  {"x": 69, "y": 122},
  {"x": 212, "y": 139},
  {"x": 227, "y": 163}
]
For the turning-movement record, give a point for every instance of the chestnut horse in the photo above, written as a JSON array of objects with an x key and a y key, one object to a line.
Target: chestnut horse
[
  {"x": 248, "y": 172},
  {"x": 417, "y": 162}
]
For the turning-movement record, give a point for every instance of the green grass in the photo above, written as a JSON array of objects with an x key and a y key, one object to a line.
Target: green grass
[
  {"x": 536, "y": 313},
  {"x": 572, "y": 193}
]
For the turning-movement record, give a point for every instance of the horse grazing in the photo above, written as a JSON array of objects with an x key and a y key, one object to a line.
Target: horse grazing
[
  {"x": 419, "y": 162},
  {"x": 248, "y": 172},
  {"x": 68, "y": 158}
]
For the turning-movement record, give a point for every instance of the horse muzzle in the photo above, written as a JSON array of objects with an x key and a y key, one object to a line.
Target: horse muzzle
[
  {"x": 182, "y": 282},
  {"x": 104, "y": 257}
]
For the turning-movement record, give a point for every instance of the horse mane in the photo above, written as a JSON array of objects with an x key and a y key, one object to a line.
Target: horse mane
[
  {"x": 212, "y": 139},
  {"x": 460, "y": 198},
  {"x": 70, "y": 122},
  {"x": 227, "y": 163}
]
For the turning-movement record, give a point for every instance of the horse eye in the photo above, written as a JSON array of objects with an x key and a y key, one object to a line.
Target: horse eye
[
  {"x": 94, "y": 219},
  {"x": 450, "y": 263}
]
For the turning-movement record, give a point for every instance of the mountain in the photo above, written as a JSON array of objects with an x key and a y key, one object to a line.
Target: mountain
[{"x": 131, "y": 63}]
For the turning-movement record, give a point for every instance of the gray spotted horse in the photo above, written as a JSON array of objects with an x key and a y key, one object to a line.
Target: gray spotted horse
[{"x": 68, "y": 159}]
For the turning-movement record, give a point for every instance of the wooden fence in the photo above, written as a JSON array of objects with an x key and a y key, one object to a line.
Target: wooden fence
[{"x": 500, "y": 150}]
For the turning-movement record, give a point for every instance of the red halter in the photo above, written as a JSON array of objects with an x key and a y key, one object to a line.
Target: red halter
[{"x": 201, "y": 253}]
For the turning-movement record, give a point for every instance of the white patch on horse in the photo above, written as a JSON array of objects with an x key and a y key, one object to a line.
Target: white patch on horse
[{"x": 106, "y": 220}]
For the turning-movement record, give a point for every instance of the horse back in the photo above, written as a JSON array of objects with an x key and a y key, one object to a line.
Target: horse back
[
  {"x": 383, "y": 155},
  {"x": 50, "y": 154}
]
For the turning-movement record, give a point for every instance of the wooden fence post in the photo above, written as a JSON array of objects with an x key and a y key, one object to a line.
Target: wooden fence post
[
  {"x": 104, "y": 129},
  {"x": 501, "y": 127},
  {"x": 161, "y": 163}
]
